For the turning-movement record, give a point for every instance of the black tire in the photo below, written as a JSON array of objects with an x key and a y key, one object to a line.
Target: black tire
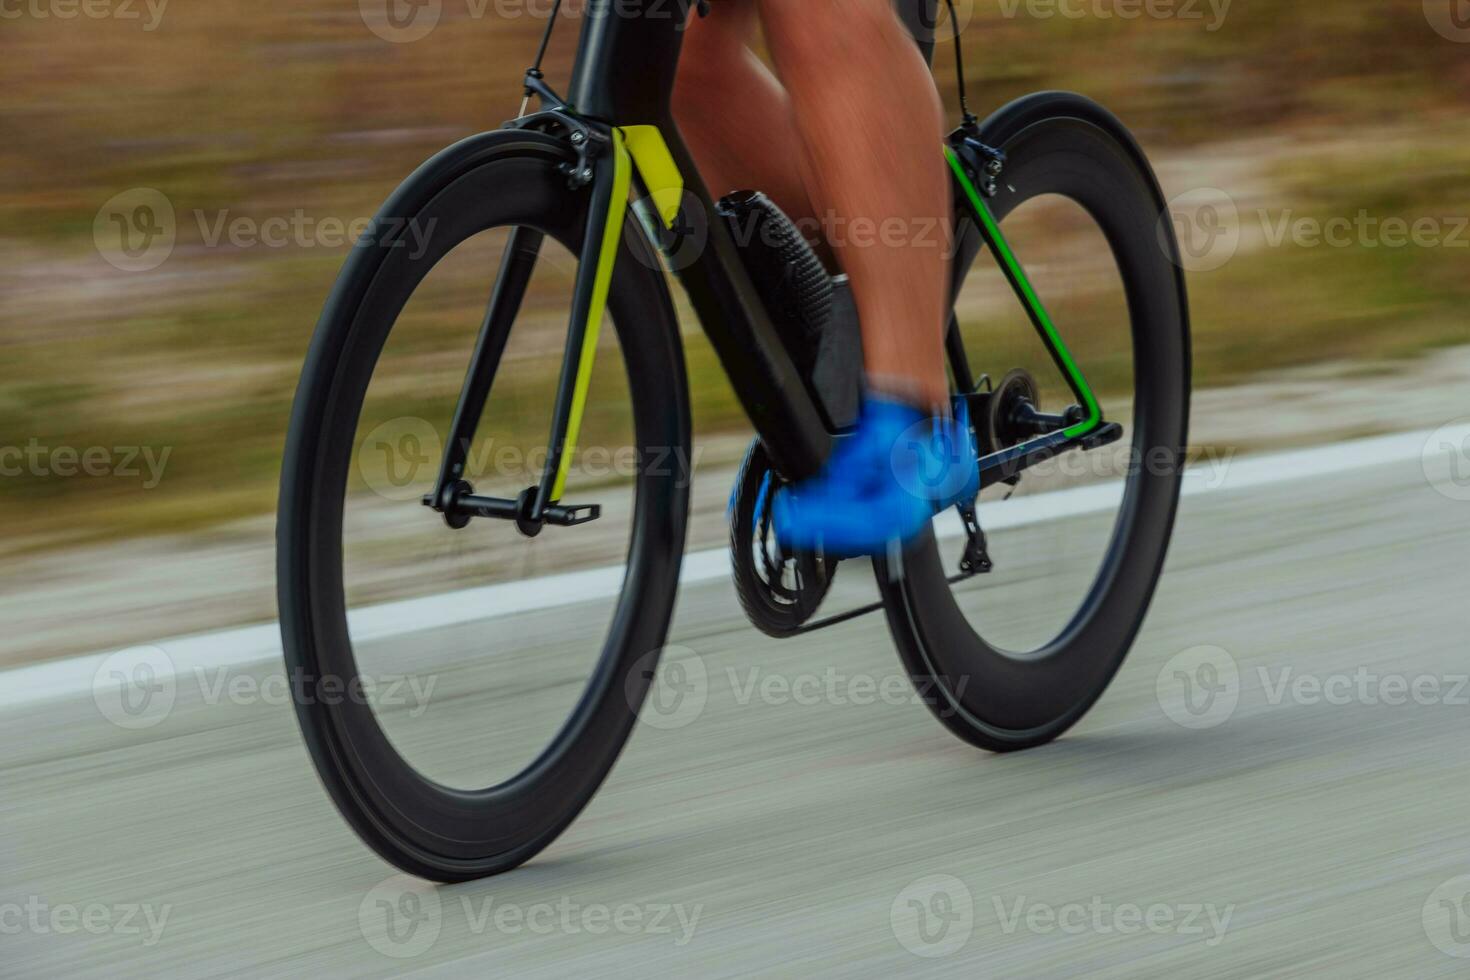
[
  {"x": 1058, "y": 143},
  {"x": 424, "y": 828}
]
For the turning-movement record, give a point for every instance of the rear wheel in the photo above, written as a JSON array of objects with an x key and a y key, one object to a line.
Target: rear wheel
[
  {"x": 1018, "y": 671},
  {"x": 497, "y": 181}
]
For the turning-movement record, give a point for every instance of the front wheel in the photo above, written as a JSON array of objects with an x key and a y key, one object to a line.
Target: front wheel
[
  {"x": 1002, "y": 692},
  {"x": 411, "y": 817}
]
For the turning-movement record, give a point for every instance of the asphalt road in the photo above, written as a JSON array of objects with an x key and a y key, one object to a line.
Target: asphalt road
[{"x": 1303, "y": 813}]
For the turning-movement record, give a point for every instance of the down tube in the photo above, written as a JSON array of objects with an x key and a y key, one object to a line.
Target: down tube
[{"x": 730, "y": 310}]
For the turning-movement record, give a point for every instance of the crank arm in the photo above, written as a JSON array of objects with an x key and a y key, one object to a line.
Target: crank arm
[{"x": 1011, "y": 462}]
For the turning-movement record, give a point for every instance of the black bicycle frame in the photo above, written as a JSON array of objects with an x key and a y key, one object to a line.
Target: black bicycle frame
[
  {"x": 619, "y": 119},
  {"x": 624, "y": 76}
]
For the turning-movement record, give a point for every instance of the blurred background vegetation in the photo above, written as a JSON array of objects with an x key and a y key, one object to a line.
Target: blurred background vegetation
[{"x": 231, "y": 108}]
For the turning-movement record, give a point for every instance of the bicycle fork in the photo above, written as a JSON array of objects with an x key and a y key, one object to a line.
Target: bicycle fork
[{"x": 539, "y": 505}]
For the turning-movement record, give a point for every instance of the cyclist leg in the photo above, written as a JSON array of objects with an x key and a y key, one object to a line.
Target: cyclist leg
[
  {"x": 851, "y": 134},
  {"x": 871, "y": 125},
  {"x": 736, "y": 118}
]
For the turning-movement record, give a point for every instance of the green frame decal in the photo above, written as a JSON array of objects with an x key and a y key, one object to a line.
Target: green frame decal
[{"x": 990, "y": 230}]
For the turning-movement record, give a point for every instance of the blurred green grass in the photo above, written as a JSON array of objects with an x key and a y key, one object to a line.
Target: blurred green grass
[{"x": 1308, "y": 110}]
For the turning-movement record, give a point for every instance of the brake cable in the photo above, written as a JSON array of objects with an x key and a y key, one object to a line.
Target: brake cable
[
  {"x": 535, "y": 70},
  {"x": 959, "y": 64}
]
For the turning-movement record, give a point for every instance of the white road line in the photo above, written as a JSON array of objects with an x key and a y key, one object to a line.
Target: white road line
[{"x": 251, "y": 645}]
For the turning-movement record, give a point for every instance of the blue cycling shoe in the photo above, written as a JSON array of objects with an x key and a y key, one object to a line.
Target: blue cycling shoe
[{"x": 883, "y": 483}]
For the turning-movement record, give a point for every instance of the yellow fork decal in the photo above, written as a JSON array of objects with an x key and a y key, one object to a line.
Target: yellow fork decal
[
  {"x": 612, "y": 234},
  {"x": 657, "y": 168}
]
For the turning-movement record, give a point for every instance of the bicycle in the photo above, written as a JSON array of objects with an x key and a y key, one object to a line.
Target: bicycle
[{"x": 565, "y": 173}]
